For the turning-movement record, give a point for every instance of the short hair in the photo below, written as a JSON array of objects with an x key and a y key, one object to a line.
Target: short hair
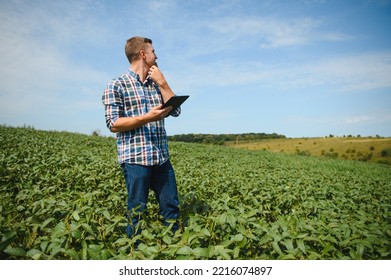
[{"x": 133, "y": 47}]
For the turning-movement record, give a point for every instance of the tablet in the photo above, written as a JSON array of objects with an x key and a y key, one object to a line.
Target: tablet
[{"x": 175, "y": 102}]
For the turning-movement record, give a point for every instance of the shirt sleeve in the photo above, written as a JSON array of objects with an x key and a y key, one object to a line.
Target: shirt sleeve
[
  {"x": 112, "y": 100},
  {"x": 176, "y": 112}
]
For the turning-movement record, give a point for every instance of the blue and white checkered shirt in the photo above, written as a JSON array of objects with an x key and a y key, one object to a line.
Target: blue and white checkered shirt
[{"x": 127, "y": 96}]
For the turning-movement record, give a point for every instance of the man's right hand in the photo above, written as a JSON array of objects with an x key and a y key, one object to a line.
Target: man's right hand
[{"x": 157, "y": 113}]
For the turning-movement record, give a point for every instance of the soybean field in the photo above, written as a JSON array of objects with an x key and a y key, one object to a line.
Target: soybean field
[{"x": 63, "y": 197}]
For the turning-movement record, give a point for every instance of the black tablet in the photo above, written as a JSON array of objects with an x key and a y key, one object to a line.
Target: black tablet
[{"x": 175, "y": 102}]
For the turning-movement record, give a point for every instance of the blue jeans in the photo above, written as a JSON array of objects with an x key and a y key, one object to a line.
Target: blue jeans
[{"x": 161, "y": 179}]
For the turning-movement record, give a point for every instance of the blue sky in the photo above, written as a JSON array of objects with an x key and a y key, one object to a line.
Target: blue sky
[{"x": 302, "y": 68}]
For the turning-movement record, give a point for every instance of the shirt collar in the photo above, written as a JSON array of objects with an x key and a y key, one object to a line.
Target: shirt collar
[{"x": 137, "y": 77}]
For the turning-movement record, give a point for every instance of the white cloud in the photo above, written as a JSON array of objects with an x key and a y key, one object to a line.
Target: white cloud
[
  {"x": 275, "y": 32},
  {"x": 357, "y": 119},
  {"x": 36, "y": 50},
  {"x": 160, "y": 7},
  {"x": 371, "y": 117},
  {"x": 349, "y": 73},
  {"x": 374, "y": 117}
]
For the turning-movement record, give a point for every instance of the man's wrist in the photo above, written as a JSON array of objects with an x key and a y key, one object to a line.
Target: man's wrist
[
  {"x": 143, "y": 120},
  {"x": 164, "y": 85}
]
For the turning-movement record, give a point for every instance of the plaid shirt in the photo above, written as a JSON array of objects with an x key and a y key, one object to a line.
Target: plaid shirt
[{"x": 127, "y": 96}]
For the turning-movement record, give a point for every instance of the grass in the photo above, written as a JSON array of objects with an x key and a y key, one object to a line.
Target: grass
[{"x": 368, "y": 149}]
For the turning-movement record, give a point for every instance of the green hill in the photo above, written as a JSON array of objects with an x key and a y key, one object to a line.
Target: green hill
[{"x": 63, "y": 197}]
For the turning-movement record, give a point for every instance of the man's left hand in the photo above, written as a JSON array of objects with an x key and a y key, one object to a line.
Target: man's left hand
[{"x": 157, "y": 75}]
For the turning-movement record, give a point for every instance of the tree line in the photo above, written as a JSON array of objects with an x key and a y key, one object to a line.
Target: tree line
[{"x": 220, "y": 139}]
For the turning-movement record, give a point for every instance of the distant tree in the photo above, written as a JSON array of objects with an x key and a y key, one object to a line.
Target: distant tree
[{"x": 96, "y": 132}]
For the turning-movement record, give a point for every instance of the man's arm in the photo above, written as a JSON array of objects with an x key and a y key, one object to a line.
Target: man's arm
[
  {"x": 158, "y": 77},
  {"x": 112, "y": 99},
  {"x": 123, "y": 124}
]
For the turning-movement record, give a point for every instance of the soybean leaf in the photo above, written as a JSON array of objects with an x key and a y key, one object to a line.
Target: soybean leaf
[
  {"x": 186, "y": 250},
  {"x": 15, "y": 251},
  {"x": 201, "y": 252}
]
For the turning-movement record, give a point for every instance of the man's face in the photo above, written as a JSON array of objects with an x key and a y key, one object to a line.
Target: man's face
[{"x": 150, "y": 56}]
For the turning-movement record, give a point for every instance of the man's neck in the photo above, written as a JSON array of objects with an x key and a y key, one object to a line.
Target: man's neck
[{"x": 140, "y": 69}]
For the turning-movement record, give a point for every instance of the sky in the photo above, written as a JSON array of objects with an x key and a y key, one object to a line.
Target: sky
[{"x": 304, "y": 68}]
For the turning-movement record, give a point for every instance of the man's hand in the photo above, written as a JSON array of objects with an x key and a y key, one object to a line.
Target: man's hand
[
  {"x": 157, "y": 76},
  {"x": 157, "y": 113}
]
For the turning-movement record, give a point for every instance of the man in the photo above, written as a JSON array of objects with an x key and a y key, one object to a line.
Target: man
[{"x": 133, "y": 110}]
